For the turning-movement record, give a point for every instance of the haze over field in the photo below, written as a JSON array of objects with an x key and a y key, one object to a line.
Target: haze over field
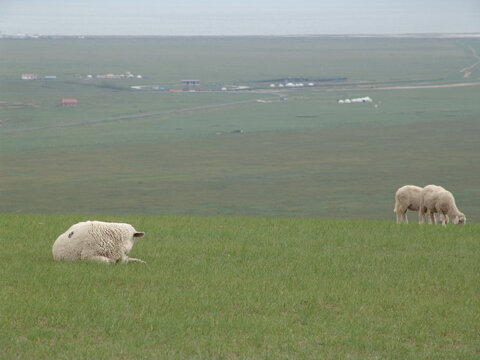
[{"x": 247, "y": 17}]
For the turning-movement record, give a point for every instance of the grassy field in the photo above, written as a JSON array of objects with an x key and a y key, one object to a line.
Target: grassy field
[
  {"x": 303, "y": 157},
  {"x": 270, "y": 230},
  {"x": 240, "y": 59},
  {"x": 236, "y": 288}
]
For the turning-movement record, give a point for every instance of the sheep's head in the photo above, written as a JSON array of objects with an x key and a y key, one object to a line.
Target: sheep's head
[{"x": 460, "y": 219}]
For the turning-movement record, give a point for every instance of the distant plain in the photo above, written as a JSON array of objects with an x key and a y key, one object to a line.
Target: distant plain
[
  {"x": 268, "y": 213},
  {"x": 304, "y": 157}
]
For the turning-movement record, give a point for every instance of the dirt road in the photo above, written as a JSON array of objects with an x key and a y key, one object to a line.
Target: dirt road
[
  {"x": 466, "y": 70},
  {"x": 276, "y": 96},
  {"x": 428, "y": 86}
]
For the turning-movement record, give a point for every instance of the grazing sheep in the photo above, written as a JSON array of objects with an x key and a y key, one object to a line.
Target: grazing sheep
[
  {"x": 406, "y": 198},
  {"x": 428, "y": 192},
  {"x": 96, "y": 241},
  {"x": 437, "y": 200}
]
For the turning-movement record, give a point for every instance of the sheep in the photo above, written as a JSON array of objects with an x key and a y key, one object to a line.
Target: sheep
[
  {"x": 437, "y": 200},
  {"x": 406, "y": 198},
  {"x": 97, "y": 241},
  {"x": 428, "y": 192}
]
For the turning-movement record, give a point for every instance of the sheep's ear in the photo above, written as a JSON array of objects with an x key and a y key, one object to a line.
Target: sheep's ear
[
  {"x": 138, "y": 234},
  {"x": 455, "y": 220}
]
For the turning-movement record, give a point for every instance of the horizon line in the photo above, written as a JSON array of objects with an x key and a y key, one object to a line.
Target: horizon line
[{"x": 389, "y": 35}]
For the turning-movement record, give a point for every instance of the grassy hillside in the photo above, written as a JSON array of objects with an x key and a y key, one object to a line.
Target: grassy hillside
[
  {"x": 277, "y": 282},
  {"x": 306, "y": 157},
  {"x": 239, "y": 59},
  {"x": 345, "y": 162},
  {"x": 235, "y": 288}
]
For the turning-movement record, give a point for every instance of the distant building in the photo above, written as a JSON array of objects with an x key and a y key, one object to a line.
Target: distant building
[
  {"x": 111, "y": 76},
  {"x": 365, "y": 99},
  {"x": 190, "y": 82},
  {"x": 29, "y": 77},
  {"x": 50, "y": 77},
  {"x": 69, "y": 102},
  {"x": 127, "y": 75}
]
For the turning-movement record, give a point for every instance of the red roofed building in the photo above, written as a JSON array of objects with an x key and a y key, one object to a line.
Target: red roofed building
[
  {"x": 29, "y": 76},
  {"x": 69, "y": 102}
]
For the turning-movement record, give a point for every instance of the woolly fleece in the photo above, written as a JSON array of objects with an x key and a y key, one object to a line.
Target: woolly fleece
[
  {"x": 440, "y": 201},
  {"x": 407, "y": 198},
  {"x": 96, "y": 241}
]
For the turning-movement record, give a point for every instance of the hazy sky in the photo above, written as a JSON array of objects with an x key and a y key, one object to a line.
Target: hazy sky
[{"x": 238, "y": 17}]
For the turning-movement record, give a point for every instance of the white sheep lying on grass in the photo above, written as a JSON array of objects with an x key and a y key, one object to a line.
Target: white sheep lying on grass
[
  {"x": 436, "y": 200},
  {"x": 97, "y": 241}
]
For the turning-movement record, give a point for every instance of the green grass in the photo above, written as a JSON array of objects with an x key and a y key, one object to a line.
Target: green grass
[
  {"x": 278, "y": 282},
  {"x": 285, "y": 286},
  {"x": 235, "y": 288},
  {"x": 319, "y": 169},
  {"x": 239, "y": 59}
]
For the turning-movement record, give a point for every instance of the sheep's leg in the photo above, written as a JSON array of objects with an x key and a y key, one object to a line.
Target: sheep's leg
[
  {"x": 440, "y": 218},
  {"x": 98, "y": 259},
  {"x": 430, "y": 217},
  {"x": 444, "y": 220},
  {"x": 421, "y": 215},
  {"x": 126, "y": 259},
  {"x": 399, "y": 217},
  {"x": 92, "y": 255},
  {"x": 136, "y": 260}
]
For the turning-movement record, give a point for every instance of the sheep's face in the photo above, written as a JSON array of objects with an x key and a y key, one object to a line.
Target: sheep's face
[{"x": 460, "y": 219}]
